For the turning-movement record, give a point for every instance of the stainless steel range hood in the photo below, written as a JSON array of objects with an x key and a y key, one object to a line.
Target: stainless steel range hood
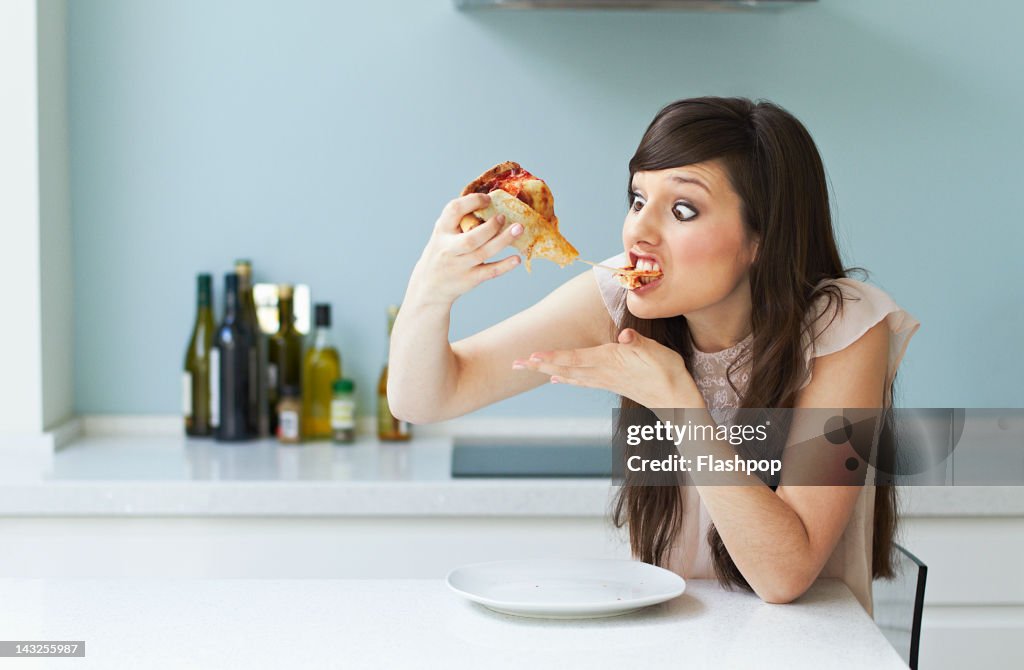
[{"x": 704, "y": 5}]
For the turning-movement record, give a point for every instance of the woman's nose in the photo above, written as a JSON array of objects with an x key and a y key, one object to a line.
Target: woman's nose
[{"x": 644, "y": 227}]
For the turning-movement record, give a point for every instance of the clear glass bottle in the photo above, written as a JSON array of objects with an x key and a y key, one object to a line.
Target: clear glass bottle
[
  {"x": 389, "y": 429},
  {"x": 321, "y": 367}
]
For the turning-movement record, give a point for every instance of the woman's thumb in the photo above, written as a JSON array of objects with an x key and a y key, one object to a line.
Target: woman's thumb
[{"x": 628, "y": 336}]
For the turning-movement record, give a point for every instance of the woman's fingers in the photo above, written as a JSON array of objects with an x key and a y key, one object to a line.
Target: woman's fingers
[
  {"x": 503, "y": 239},
  {"x": 471, "y": 241},
  {"x": 453, "y": 212},
  {"x": 485, "y": 271},
  {"x": 573, "y": 358}
]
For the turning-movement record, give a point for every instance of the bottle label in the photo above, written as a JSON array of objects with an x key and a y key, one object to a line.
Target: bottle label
[
  {"x": 214, "y": 394},
  {"x": 186, "y": 394},
  {"x": 343, "y": 414},
  {"x": 288, "y": 424}
]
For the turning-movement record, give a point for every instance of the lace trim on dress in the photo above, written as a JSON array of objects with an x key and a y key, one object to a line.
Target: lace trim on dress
[{"x": 710, "y": 374}]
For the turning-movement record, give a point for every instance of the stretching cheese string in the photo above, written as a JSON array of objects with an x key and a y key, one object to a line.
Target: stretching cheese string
[{"x": 622, "y": 271}]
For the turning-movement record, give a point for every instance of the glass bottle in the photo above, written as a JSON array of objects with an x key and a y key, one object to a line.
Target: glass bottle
[
  {"x": 284, "y": 351},
  {"x": 389, "y": 429},
  {"x": 321, "y": 367},
  {"x": 195, "y": 387},
  {"x": 259, "y": 410},
  {"x": 289, "y": 416},
  {"x": 229, "y": 379}
]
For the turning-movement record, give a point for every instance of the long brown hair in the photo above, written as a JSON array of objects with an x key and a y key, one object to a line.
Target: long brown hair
[{"x": 774, "y": 166}]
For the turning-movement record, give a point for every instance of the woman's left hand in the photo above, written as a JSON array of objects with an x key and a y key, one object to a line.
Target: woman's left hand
[{"x": 636, "y": 367}]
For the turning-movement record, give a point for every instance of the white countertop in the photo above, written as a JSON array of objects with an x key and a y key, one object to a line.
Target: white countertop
[
  {"x": 175, "y": 476},
  {"x": 128, "y": 623}
]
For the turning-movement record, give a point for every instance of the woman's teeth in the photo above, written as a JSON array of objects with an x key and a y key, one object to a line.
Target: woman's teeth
[{"x": 648, "y": 265}]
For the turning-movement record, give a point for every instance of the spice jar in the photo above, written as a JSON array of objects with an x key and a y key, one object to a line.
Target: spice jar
[
  {"x": 343, "y": 412},
  {"x": 289, "y": 416}
]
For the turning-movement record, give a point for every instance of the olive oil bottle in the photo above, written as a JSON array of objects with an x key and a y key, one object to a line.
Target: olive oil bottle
[
  {"x": 284, "y": 352},
  {"x": 389, "y": 429},
  {"x": 196, "y": 377},
  {"x": 321, "y": 367}
]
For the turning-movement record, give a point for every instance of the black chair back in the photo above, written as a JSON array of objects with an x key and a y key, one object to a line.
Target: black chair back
[{"x": 899, "y": 603}]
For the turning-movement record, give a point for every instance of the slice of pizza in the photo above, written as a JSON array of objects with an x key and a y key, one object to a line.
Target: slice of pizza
[
  {"x": 631, "y": 278},
  {"x": 523, "y": 199}
]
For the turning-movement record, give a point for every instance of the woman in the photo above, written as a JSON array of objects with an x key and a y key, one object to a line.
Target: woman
[{"x": 728, "y": 199}]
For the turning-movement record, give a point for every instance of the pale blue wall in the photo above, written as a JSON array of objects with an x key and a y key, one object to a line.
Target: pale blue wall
[{"x": 321, "y": 138}]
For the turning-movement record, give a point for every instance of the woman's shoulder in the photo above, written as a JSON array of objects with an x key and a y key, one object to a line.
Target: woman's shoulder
[
  {"x": 612, "y": 292},
  {"x": 843, "y": 309}
]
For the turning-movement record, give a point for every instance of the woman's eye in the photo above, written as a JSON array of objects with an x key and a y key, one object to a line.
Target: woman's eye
[
  {"x": 636, "y": 200},
  {"x": 684, "y": 212}
]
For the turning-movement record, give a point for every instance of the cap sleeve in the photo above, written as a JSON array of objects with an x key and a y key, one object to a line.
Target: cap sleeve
[
  {"x": 863, "y": 306},
  {"x": 612, "y": 292}
]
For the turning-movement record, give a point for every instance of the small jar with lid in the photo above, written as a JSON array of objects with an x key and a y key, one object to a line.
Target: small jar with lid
[
  {"x": 289, "y": 416},
  {"x": 343, "y": 412}
]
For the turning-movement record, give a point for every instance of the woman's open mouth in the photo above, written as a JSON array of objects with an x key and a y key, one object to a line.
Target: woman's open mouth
[
  {"x": 651, "y": 269},
  {"x": 647, "y": 284},
  {"x": 644, "y": 274}
]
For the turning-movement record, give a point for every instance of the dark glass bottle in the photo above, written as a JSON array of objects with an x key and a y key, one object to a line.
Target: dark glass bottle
[
  {"x": 259, "y": 409},
  {"x": 232, "y": 346},
  {"x": 284, "y": 365},
  {"x": 196, "y": 377}
]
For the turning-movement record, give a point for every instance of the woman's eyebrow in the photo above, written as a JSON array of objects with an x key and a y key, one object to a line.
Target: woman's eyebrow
[{"x": 684, "y": 179}]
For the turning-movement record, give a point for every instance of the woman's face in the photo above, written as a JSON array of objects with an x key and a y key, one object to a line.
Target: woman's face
[{"x": 688, "y": 221}]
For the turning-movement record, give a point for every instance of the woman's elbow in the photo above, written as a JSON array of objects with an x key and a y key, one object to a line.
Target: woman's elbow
[
  {"x": 784, "y": 592},
  {"x": 400, "y": 409}
]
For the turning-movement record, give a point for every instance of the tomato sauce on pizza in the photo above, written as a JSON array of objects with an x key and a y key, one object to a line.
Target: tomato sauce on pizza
[{"x": 510, "y": 182}]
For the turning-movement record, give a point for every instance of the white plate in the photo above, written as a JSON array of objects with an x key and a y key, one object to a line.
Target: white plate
[{"x": 565, "y": 588}]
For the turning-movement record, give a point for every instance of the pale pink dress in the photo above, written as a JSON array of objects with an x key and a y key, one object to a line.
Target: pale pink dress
[{"x": 851, "y": 561}]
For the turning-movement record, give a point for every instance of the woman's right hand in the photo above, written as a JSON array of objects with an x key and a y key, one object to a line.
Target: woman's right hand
[{"x": 454, "y": 262}]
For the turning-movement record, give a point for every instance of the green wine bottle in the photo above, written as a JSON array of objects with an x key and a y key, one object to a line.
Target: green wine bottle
[
  {"x": 259, "y": 413},
  {"x": 195, "y": 387},
  {"x": 284, "y": 365}
]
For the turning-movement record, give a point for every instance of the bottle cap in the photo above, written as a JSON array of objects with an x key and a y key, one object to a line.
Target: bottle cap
[
  {"x": 344, "y": 386},
  {"x": 285, "y": 290},
  {"x": 204, "y": 289},
  {"x": 323, "y": 314},
  {"x": 230, "y": 282}
]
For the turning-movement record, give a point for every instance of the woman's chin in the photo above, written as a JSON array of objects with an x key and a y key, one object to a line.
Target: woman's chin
[{"x": 644, "y": 309}]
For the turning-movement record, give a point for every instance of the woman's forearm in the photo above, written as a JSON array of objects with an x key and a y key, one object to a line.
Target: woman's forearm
[
  {"x": 766, "y": 538},
  {"x": 422, "y": 369}
]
